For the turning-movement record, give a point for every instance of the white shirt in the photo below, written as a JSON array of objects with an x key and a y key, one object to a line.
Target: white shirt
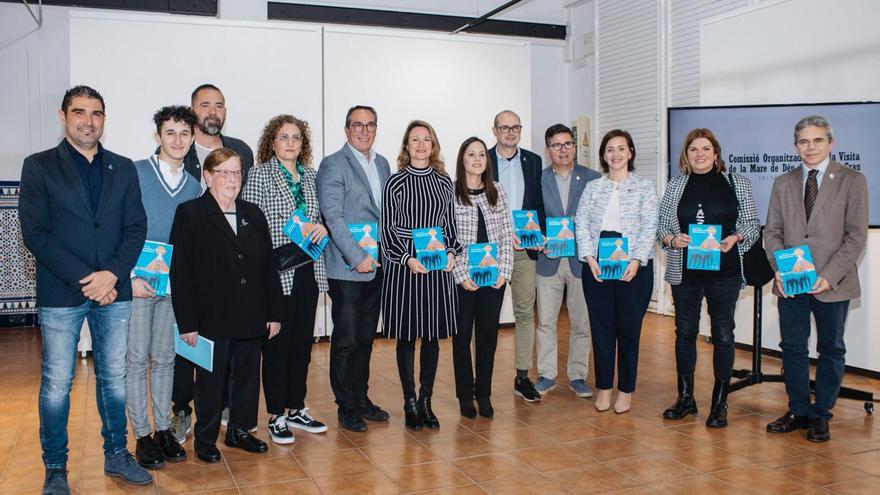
[
  {"x": 510, "y": 176},
  {"x": 368, "y": 163},
  {"x": 169, "y": 175},
  {"x": 611, "y": 220}
]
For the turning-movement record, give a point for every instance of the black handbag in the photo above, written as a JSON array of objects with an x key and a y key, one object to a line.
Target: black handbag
[
  {"x": 756, "y": 266},
  {"x": 290, "y": 256}
]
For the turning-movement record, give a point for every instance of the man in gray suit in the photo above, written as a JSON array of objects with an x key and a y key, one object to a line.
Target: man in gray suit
[
  {"x": 350, "y": 191},
  {"x": 562, "y": 185},
  {"x": 824, "y": 205}
]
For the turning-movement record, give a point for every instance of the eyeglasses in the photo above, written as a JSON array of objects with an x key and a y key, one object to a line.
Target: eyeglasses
[
  {"x": 293, "y": 138},
  {"x": 360, "y": 126},
  {"x": 226, "y": 173},
  {"x": 559, "y": 146},
  {"x": 506, "y": 129}
]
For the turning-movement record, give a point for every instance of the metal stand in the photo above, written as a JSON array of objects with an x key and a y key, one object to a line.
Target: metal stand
[{"x": 747, "y": 378}]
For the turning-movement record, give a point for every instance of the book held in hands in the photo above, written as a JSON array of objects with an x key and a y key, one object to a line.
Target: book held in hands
[
  {"x": 298, "y": 229},
  {"x": 796, "y": 269},
  {"x": 704, "y": 250},
  {"x": 483, "y": 263},
  {"x": 527, "y": 229},
  {"x": 560, "y": 237},
  {"x": 613, "y": 257},
  {"x": 154, "y": 265},
  {"x": 430, "y": 249},
  {"x": 365, "y": 236}
]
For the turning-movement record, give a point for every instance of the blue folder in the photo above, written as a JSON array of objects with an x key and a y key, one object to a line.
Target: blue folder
[{"x": 202, "y": 354}]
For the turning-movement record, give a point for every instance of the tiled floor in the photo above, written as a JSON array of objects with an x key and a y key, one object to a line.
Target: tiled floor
[{"x": 562, "y": 445}]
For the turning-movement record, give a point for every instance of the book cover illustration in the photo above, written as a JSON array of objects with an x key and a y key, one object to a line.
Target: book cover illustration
[
  {"x": 483, "y": 263},
  {"x": 797, "y": 269},
  {"x": 704, "y": 250},
  {"x": 560, "y": 237},
  {"x": 526, "y": 228},
  {"x": 430, "y": 249},
  {"x": 154, "y": 265},
  {"x": 364, "y": 235},
  {"x": 298, "y": 229},
  {"x": 613, "y": 257}
]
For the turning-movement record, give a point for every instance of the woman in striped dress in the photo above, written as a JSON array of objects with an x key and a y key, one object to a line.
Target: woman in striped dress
[{"x": 417, "y": 303}]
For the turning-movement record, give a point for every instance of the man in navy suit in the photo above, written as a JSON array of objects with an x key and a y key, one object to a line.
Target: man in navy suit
[
  {"x": 518, "y": 170},
  {"x": 82, "y": 218},
  {"x": 562, "y": 184}
]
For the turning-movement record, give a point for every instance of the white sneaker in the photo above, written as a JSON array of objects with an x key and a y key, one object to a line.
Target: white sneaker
[{"x": 279, "y": 431}]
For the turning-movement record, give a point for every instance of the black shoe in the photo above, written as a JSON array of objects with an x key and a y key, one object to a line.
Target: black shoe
[
  {"x": 207, "y": 452},
  {"x": 788, "y": 423},
  {"x": 685, "y": 403},
  {"x": 172, "y": 450},
  {"x": 411, "y": 414},
  {"x": 524, "y": 388},
  {"x": 242, "y": 439},
  {"x": 426, "y": 414},
  {"x": 372, "y": 412},
  {"x": 718, "y": 417},
  {"x": 466, "y": 406},
  {"x": 55, "y": 482},
  {"x": 148, "y": 453},
  {"x": 486, "y": 409},
  {"x": 818, "y": 430},
  {"x": 350, "y": 418}
]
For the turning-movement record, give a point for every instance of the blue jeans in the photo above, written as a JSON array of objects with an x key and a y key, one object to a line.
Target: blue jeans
[
  {"x": 794, "y": 324},
  {"x": 60, "y": 328}
]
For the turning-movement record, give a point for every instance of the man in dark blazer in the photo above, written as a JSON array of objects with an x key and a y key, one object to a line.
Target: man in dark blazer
[
  {"x": 562, "y": 185},
  {"x": 519, "y": 172},
  {"x": 824, "y": 205},
  {"x": 350, "y": 191},
  {"x": 82, "y": 218}
]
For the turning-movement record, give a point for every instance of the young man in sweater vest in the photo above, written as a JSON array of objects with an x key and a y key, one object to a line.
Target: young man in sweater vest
[{"x": 164, "y": 184}]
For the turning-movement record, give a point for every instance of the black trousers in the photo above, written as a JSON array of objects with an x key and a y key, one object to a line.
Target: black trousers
[
  {"x": 183, "y": 389},
  {"x": 721, "y": 295},
  {"x": 286, "y": 356},
  {"x": 406, "y": 366},
  {"x": 616, "y": 312},
  {"x": 239, "y": 359},
  {"x": 478, "y": 315},
  {"x": 355, "y": 313}
]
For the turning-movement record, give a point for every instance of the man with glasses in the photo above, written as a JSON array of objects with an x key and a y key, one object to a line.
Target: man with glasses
[
  {"x": 519, "y": 172},
  {"x": 350, "y": 192},
  {"x": 562, "y": 185},
  {"x": 209, "y": 105},
  {"x": 82, "y": 218}
]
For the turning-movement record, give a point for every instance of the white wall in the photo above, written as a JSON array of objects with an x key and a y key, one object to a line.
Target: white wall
[{"x": 800, "y": 51}]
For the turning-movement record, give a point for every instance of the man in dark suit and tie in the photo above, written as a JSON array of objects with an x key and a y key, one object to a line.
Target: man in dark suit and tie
[
  {"x": 518, "y": 171},
  {"x": 562, "y": 184},
  {"x": 82, "y": 218},
  {"x": 824, "y": 205},
  {"x": 350, "y": 191}
]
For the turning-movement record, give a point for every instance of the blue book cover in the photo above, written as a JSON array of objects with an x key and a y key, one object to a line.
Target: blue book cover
[
  {"x": 483, "y": 263},
  {"x": 154, "y": 265},
  {"x": 704, "y": 250},
  {"x": 202, "y": 354},
  {"x": 797, "y": 269},
  {"x": 560, "y": 236},
  {"x": 298, "y": 229},
  {"x": 430, "y": 249},
  {"x": 527, "y": 229},
  {"x": 613, "y": 257},
  {"x": 365, "y": 235}
]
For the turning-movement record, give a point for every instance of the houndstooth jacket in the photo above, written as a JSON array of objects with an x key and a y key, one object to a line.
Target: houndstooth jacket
[
  {"x": 267, "y": 188},
  {"x": 747, "y": 223},
  {"x": 499, "y": 227}
]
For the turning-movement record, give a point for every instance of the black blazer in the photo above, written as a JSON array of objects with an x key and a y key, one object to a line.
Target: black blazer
[
  {"x": 223, "y": 285},
  {"x": 532, "y": 197},
  {"x": 67, "y": 239}
]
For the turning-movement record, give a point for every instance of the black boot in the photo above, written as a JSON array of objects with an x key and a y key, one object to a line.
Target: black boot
[
  {"x": 685, "y": 404},
  {"x": 466, "y": 406},
  {"x": 718, "y": 417},
  {"x": 411, "y": 414},
  {"x": 485, "y": 405},
  {"x": 426, "y": 414}
]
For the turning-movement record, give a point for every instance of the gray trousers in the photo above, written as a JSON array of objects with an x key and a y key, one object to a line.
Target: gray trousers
[
  {"x": 522, "y": 288},
  {"x": 550, "y": 293},
  {"x": 150, "y": 342}
]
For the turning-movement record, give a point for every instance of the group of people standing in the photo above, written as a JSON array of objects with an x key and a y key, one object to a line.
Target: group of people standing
[{"x": 86, "y": 213}]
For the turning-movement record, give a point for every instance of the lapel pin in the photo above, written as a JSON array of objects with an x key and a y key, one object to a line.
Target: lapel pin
[
  {"x": 244, "y": 222},
  {"x": 577, "y": 177},
  {"x": 830, "y": 176},
  {"x": 110, "y": 166}
]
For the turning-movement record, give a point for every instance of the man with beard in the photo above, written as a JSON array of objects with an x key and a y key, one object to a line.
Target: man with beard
[{"x": 209, "y": 105}]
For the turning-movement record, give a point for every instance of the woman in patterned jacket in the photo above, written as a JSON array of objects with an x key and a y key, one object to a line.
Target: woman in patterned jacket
[
  {"x": 482, "y": 215},
  {"x": 284, "y": 182},
  {"x": 705, "y": 194},
  {"x": 618, "y": 205}
]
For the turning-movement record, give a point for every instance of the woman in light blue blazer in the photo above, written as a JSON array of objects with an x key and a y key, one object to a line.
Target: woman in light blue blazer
[{"x": 618, "y": 205}]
